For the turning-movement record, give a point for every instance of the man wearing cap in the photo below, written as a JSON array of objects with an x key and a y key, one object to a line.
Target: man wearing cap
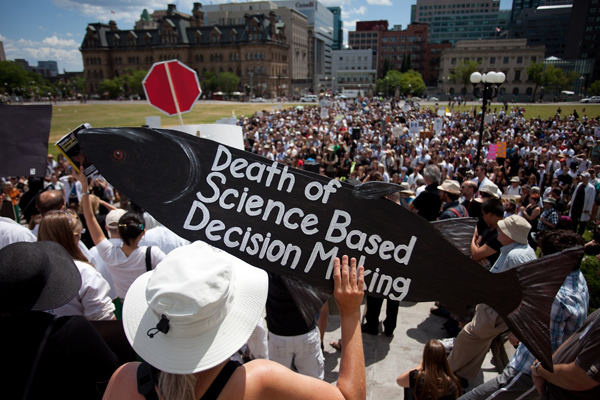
[
  {"x": 582, "y": 203},
  {"x": 474, "y": 340},
  {"x": 549, "y": 218},
  {"x": 514, "y": 189},
  {"x": 567, "y": 314},
  {"x": 449, "y": 193}
]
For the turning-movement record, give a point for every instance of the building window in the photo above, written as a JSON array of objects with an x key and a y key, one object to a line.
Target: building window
[
  {"x": 506, "y": 59},
  {"x": 519, "y": 60},
  {"x": 518, "y": 76},
  {"x": 492, "y": 60}
]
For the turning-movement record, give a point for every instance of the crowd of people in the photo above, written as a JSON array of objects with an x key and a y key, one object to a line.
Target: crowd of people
[{"x": 116, "y": 263}]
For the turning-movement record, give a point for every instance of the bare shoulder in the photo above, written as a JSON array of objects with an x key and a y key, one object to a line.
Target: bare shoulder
[
  {"x": 264, "y": 380},
  {"x": 123, "y": 383}
]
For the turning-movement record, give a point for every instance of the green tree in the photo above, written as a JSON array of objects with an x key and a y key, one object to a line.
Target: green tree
[
  {"x": 564, "y": 81},
  {"x": 411, "y": 82},
  {"x": 133, "y": 81},
  {"x": 210, "y": 83},
  {"x": 228, "y": 82},
  {"x": 462, "y": 73},
  {"x": 14, "y": 79},
  {"x": 392, "y": 81},
  {"x": 80, "y": 85},
  {"x": 387, "y": 66},
  {"x": 536, "y": 73},
  {"x": 406, "y": 63},
  {"x": 594, "y": 89},
  {"x": 114, "y": 87}
]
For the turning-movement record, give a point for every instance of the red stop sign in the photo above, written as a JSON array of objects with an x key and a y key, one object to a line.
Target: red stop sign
[{"x": 170, "y": 84}]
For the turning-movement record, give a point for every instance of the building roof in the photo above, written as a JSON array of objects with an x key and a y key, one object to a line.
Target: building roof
[{"x": 101, "y": 35}]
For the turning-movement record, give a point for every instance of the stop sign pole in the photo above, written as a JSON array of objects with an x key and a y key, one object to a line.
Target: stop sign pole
[
  {"x": 172, "y": 87},
  {"x": 173, "y": 94}
]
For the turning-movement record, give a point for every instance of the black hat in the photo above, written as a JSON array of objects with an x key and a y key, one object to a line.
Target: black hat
[{"x": 37, "y": 276}]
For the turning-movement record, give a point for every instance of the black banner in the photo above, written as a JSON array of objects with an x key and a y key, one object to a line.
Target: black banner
[{"x": 24, "y": 133}]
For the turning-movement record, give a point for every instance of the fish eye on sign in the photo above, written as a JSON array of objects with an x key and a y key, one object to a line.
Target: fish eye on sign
[{"x": 226, "y": 167}]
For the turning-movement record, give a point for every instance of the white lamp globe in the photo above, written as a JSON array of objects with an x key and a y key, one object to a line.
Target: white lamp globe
[
  {"x": 475, "y": 77},
  {"x": 484, "y": 78},
  {"x": 492, "y": 77},
  {"x": 501, "y": 77}
]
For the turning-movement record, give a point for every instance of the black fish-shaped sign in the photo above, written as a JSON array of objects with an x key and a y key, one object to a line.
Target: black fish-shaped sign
[{"x": 294, "y": 223}]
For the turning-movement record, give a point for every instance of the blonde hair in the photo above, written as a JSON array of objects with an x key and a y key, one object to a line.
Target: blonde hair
[
  {"x": 62, "y": 227},
  {"x": 176, "y": 386},
  {"x": 95, "y": 203}
]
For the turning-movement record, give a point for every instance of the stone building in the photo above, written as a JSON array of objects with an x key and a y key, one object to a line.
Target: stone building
[
  {"x": 510, "y": 56},
  {"x": 296, "y": 28},
  {"x": 256, "y": 49}
]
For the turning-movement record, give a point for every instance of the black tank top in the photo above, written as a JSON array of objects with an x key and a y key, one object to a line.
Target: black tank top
[{"x": 146, "y": 372}]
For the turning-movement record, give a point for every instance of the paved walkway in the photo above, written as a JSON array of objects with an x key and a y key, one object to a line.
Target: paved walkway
[{"x": 386, "y": 358}]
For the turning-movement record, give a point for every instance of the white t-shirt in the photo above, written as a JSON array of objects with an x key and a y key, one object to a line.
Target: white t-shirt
[
  {"x": 165, "y": 239},
  {"x": 12, "y": 232},
  {"x": 513, "y": 191},
  {"x": 124, "y": 270},
  {"x": 92, "y": 300}
]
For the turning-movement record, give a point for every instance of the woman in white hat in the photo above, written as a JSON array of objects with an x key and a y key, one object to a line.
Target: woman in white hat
[{"x": 186, "y": 320}]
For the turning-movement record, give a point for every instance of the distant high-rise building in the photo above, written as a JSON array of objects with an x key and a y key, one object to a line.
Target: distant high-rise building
[
  {"x": 51, "y": 66},
  {"x": 320, "y": 36},
  {"x": 407, "y": 48},
  {"x": 519, "y": 5},
  {"x": 583, "y": 40},
  {"x": 454, "y": 20},
  {"x": 2, "y": 54},
  {"x": 353, "y": 69},
  {"x": 544, "y": 25},
  {"x": 338, "y": 25}
]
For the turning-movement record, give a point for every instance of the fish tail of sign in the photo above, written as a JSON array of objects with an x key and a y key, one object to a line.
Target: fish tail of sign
[{"x": 537, "y": 283}]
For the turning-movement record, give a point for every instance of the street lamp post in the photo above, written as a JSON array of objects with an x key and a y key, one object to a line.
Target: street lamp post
[
  {"x": 251, "y": 88},
  {"x": 387, "y": 79},
  {"x": 491, "y": 82},
  {"x": 581, "y": 87},
  {"x": 541, "y": 94}
]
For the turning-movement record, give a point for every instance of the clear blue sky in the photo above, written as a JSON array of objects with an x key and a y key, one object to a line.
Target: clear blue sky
[{"x": 53, "y": 29}]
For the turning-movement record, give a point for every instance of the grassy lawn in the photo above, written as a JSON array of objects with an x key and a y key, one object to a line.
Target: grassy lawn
[{"x": 67, "y": 118}]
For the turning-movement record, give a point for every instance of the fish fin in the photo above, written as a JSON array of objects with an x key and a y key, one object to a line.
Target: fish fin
[
  {"x": 457, "y": 231},
  {"x": 539, "y": 281},
  {"x": 308, "y": 299},
  {"x": 375, "y": 190}
]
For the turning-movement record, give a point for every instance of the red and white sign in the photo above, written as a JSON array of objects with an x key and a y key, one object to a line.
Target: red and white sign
[{"x": 172, "y": 87}]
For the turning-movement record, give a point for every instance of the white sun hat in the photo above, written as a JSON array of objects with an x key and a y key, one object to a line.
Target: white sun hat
[{"x": 197, "y": 308}]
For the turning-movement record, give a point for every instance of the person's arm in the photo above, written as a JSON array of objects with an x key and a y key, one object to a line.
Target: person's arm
[
  {"x": 534, "y": 214},
  {"x": 404, "y": 379},
  {"x": 482, "y": 252},
  {"x": 93, "y": 226},
  {"x": 266, "y": 380},
  {"x": 109, "y": 206},
  {"x": 567, "y": 376}
]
